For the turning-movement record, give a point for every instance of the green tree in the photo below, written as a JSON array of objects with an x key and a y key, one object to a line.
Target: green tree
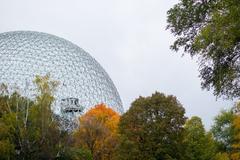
[
  {"x": 152, "y": 129},
  {"x": 223, "y": 130},
  {"x": 210, "y": 30},
  {"x": 46, "y": 132},
  {"x": 74, "y": 153},
  {"x": 28, "y": 129},
  {"x": 12, "y": 121},
  {"x": 198, "y": 144}
]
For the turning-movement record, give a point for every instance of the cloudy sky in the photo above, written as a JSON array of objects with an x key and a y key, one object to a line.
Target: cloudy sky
[{"x": 128, "y": 38}]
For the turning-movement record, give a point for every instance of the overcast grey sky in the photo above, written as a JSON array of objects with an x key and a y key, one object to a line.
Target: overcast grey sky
[{"x": 128, "y": 38}]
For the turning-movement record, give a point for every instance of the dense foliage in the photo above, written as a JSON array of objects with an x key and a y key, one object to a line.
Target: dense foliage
[
  {"x": 198, "y": 144},
  {"x": 98, "y": 132},
  {"x": 226, "y": 131},
  {"x": 210, "y": 29},
  {"x": 152, "y": 128},
  {"x": 28, "y": 130},
  {"x": 223, "y": 130}
]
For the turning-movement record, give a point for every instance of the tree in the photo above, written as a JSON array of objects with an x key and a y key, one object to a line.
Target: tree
[
  {"x": 28, "y": 130},
  {"x": 226, "y": 131},
  {"x": 210, "y": 30},
  {"x": 74, "y": 153},
  {"x": 221, "y": 156},
  {"x": 235, "y": 154},
  {"x": 198, "y": 144},
  {"x": 13, "y": 139},
  {"x": 98, "y": 132},
  {"x": 223, "y": 130},
  {"x": 45, "y": 128},
  {"x": 7, "y": 125},
  {"x": 152, "y": 129}
]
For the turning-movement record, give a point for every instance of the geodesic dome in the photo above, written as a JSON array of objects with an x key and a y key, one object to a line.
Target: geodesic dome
[{"x": 25, "y": 54}]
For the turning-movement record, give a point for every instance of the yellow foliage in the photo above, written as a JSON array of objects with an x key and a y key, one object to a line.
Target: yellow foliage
[
  {"x": 235, "y": 155},
  {"x": 6, "y": 149},
  {"x": 221, "y": 156}
]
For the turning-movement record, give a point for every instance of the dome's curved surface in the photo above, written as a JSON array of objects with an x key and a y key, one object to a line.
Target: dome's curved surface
[{"x": 25, "y": 54}]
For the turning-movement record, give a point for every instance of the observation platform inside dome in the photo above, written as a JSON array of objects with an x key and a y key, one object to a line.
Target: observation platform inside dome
[{"x": 71, "y": 105}]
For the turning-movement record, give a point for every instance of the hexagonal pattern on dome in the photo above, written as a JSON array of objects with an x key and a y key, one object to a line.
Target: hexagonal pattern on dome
[{"x": 25, "y": 54}]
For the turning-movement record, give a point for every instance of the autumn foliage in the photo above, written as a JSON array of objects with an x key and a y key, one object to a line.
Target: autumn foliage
[
  {"x": 104, "y": 115},
  {"x": 153, "y": 128},
  {"x": 235, "y": 155},
  {"x": 98, "y": 132}
]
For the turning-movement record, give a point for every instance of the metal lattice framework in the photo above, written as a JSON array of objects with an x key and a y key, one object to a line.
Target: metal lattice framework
[{"x": 25, "y": 54}]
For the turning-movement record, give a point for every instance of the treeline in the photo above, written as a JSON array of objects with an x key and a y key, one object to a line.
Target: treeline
[{"x": 154, "y": 128}]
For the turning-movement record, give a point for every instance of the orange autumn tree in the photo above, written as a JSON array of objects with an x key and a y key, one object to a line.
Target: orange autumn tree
[{"x": 98, "y": 132}]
